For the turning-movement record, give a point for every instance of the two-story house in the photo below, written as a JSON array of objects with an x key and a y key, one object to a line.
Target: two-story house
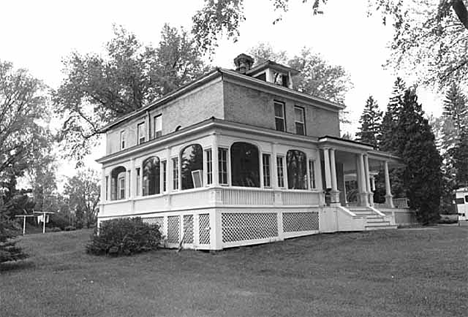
[{"x": 239, "y": 157}]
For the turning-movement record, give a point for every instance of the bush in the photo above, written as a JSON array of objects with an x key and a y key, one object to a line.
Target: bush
[
  {"x": 70, "y": 228},
  {"x": 53, "y": 229},
  {"x": 8, "y": 249},
  {"x": 59, "y": 220},
  {"x": 124, "y": 236}
]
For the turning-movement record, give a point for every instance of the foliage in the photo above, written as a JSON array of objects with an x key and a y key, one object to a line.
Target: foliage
[
  {"x": 219, "y": 17},
  {"x": 8, "y": 249},
  {"x": 97, "y": 89},
  {"x": 414, "y": 142},
  {"x": 58, "y": 220},
  {"x": 370, "y": 121},
  {"x": 83, "y": 193},
  {"x": 429, "y": 40},
  {"x": 124, "y": 236}
]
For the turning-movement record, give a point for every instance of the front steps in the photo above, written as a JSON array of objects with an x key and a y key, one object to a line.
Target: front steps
[{"x": 374, "y": 221}]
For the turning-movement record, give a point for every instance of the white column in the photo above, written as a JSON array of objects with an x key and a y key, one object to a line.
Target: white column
[
  {"x": 326, "y": 159},
  {"x": 274, "y": 167},
  {"x": 169, "y": 169},
  {"x": 370, "y": 195},
  {"x": 363, "y": 182},
  {"x": 333, "y": 170},
  {"x": 215, "y": 160},
  {"x": 388, "y": 189}
]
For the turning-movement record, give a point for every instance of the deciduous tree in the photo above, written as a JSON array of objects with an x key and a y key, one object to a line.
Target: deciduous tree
[{"x": 97, "y": 89}]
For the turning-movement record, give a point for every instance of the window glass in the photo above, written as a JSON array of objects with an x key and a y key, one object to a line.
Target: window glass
[
  {"x": 300, "y": 122},
  {"x": 138, "y": 181},
  {"x": 266, "y": 170},
  {"x": 245, "y": 169},
  {"x": 222, "y": 165},
  {"x": 280, "y": 171},
  {"x": 209, "y": 166},
  {"x": 141, "y": 133},
  {"x": 151, "y": 176},
  {"x": 107, "y": 187},
  {"x": 296, "y": 162},
  {"x": 118, "y": 183},
  {"x": 157, "y": 126},
  {"x": 164, "y": 175},
  {"x": 175, "y": 173},
  {"x": 279, "y": 116},
  {"x": 312, "y": 174},
  {"x": 122, "y": 140},
  {"x": 191, "y": 160}
]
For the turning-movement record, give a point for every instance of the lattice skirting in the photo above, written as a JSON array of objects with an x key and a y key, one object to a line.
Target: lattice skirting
[
  {"x": 248, "y": 226},
  {"x": 300, "y": 221}
]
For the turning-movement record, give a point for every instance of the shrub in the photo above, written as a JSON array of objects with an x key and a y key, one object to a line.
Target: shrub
[
  {"x": 59, "y": 220},
  {"x": 8, "y": 249},
  {"x": 53, "y": 229},
  {"x": 124, "y": 236},
  {"x": 70, "y": 228}
]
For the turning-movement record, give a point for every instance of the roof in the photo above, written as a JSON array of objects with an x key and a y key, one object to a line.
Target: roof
[{"x": 224, "y": 73}]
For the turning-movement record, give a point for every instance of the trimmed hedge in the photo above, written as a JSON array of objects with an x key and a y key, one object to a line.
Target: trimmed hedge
[{"x": 124, "y": 236}]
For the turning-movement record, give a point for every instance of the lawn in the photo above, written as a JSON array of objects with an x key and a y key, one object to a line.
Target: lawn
[{"x": 383, "y": 273}]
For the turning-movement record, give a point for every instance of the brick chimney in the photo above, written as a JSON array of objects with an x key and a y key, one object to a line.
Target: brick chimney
[{"x": 243, "y": 63}]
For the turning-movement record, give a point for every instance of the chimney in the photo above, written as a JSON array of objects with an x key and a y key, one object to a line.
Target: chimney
[{"x": 243, "y": 63}]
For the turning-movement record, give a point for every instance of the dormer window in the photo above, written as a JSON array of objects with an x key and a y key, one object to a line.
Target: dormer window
[{"x": 281, "y": 79}]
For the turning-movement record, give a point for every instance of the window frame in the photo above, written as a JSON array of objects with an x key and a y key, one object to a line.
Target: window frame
[
  {"x": 223, "y": 168},
  {"x": 157, "y": 133},
  {"x": 302, "y": 109},
  {"x": 280, "y": 171},
  {"x": 122, "y": 139},
  {"x": 283, "y": 118},
  {"x": 175, "y": 173},
  {"x": 266, "y": 168},
  {"x": 209, "y": 166},
  {"x": 141, "y": 129}
]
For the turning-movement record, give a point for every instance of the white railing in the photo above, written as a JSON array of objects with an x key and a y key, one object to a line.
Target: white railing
[
  {"x": 401, "y": 203},
  {"x": 248, "y": 196},
  {"x": 190, "y": 198}
]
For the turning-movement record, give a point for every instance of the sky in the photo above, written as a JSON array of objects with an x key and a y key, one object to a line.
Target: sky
[{"x": 37, "y": 35}]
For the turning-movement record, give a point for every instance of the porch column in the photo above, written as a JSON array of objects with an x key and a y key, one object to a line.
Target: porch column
[
  {"x": 364, "y": 201},
  {"x": 388, "y": 189},
  {"x": 368, "y": 185},
  {"x": 326, "y": 162},
  {"x": 215, "y": 161},
  {"x": 335, "y": 194}
]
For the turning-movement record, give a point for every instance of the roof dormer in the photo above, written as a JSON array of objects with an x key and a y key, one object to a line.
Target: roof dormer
[{"x": 268, "y": 71}]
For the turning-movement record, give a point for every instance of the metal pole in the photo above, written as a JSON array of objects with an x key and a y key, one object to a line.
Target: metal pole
[
  {"x": 24, "y": 226},
  {"x": 43, "y": 222}
]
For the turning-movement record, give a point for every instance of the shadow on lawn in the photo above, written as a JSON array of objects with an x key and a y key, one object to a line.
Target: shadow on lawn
[{"x": 18, "y": 265}]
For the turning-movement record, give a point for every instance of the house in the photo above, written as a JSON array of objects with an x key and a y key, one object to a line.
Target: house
[{"x": 239, "y": 157}]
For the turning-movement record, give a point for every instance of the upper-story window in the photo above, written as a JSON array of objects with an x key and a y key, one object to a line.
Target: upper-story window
[
  {"x": 122, "y": 139},
  {"x": 279, "y": 116},
  {"x": 281, "y": 79},
  {"x": 299, "y": 120},
  {"x": 157, "y": 126},
  {"x": 141, "y": 128}
]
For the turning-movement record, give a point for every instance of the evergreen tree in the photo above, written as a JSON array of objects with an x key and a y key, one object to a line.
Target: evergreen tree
[
  {"x": 459, "y": 155},
  {"x": 370, "y": 121},
  {"x": 416, "y": 146},
  {"x": 386, "y": 140}
]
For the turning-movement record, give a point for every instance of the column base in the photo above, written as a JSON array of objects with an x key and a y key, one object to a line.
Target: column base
[
  {"x": 371, "y": 199},
  {"x": 363, "y": 199},
  {"x": 389, "y": 201}
]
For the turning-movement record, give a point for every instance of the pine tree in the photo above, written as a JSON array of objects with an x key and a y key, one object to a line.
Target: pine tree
[
  {"x": 370, "y": 121},
  {"x": 460, "y": 161},
  {"x": 416, "y": 146},
  {"x": 387, "y": 141}
]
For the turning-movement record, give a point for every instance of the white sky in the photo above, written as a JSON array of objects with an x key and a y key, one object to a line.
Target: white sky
[{"x": 36, "y": 35}]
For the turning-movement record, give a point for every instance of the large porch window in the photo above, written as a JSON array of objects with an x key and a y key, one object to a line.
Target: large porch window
[
  {"x": 296, "y": 162},
  {"x": 118, "y": 176},
  {"x": 222, "y": 166},
  {"x": 245, "y": 165},
  {"x": 191, "y": 159},
  {"x": 151, "y": 176}
]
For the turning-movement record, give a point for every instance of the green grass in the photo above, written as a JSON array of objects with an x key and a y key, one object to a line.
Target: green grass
[{"x": 387, "y": 273}]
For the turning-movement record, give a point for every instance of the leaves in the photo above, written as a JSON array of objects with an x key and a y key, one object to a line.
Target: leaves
[{"x": 97, "y": 89}]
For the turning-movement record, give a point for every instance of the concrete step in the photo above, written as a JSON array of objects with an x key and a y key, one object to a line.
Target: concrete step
[
  {"x": 376, "y": 219},
  {"x": 387, "y": 227}
]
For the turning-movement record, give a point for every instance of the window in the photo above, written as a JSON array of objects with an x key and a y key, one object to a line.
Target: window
[
  {"x": 266, "y": 170},
  {"x": 209, "y": 166},
  {"x": 300, "y": 121},
  {"x": 164, "y": 175},
  {"x": 191, "y": 159},
  {"x": 280, "y": 170},
  {"x": 281, "y": 79},
  {"x": 151, "y": 176},
  {"x": 245, "y": 165},
  {"x": 141, "y": 128},
  {"x": 118, "y": 175},
  {"x": 157, "y": 126},
  {"x": 222, "y": 166},
  {"x": 175, "y": 173},
  {"x": 296, "y": 162},
  {"x": 122, "y": 140},
  {"x": 312, "y": 174},
  {"x": 466, "y": 199},
  {"x": 279, "y": 116},
  {"x": 138, "y": 181}
]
